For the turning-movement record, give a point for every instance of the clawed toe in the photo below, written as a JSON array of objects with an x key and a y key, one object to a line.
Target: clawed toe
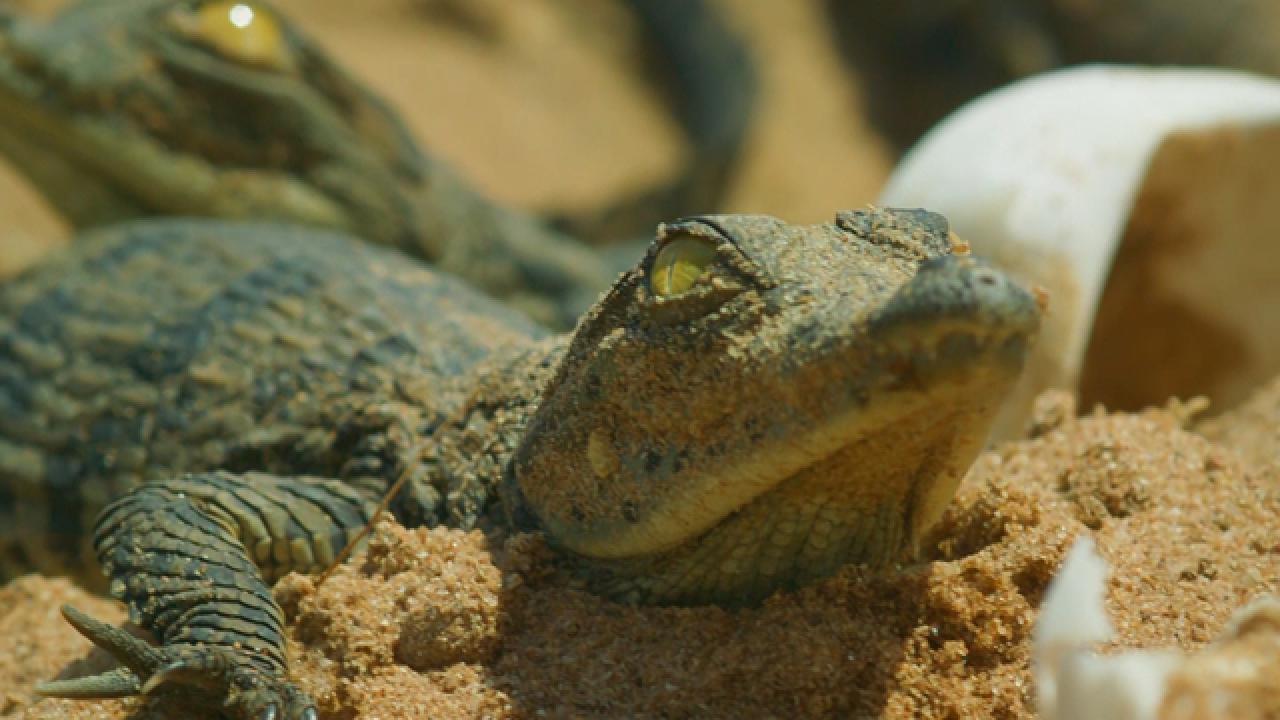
[
  {"x": 203, "y": 672},
  {"x": 137, "y": 656},
  {"x": 246, "y": 692},
  {"x": 132, "y": 651},
  {"x": 121, "y": 682}
]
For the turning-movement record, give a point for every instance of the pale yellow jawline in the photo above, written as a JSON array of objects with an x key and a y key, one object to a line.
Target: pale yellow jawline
[{"x": 706, "y": 500}]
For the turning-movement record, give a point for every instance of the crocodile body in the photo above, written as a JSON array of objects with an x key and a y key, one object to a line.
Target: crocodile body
[
  {"x": 144, "y": 108},
  {"x": 751, "y": 406},
  {"x": 262, "y": 350}
]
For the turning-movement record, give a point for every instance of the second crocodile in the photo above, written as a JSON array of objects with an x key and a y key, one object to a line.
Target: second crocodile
[{"x": 214, "y": 108}]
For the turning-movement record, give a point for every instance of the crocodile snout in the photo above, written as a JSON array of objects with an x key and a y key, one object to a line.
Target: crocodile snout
[{"x": 960, "y": 294}]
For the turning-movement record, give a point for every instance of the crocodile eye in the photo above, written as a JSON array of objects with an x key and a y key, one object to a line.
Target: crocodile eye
[
  {"x": 242, "y": 31},
  {"x": 679, "y": 264}
]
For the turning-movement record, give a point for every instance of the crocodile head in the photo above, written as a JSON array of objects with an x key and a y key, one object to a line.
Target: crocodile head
[
  {"x": 756, "y": 404},
  {"x": 154, "y": 107}
]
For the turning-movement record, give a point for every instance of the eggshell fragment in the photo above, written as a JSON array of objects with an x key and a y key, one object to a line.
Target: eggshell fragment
[{"x": 1144, "y": 201}]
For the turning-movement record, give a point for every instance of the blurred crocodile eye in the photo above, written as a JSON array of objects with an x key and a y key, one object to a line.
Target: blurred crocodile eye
[
  {"x": 679, "y": 264},
  {"x": 242, "y": 31}
]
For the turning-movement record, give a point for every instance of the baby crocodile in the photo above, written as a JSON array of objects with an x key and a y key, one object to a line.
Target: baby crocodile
[
  {"x": 224, "y": 108},
  {"x": 138, "y": 108},
  {"x": 751, "y": 406}
]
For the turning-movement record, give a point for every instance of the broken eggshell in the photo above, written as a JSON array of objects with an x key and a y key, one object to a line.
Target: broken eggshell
[
  {"x": 1146, "y": 201},
  {"x": 1234, "y": 677}
]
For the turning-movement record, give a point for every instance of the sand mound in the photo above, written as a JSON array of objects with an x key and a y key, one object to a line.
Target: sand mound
[{"x": 441, "y": 623}]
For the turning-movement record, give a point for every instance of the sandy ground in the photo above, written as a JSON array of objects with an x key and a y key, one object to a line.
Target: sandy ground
[{"x": 439, "y": 623}]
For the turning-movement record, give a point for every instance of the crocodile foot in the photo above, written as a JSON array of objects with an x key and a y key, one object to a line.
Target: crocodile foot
[{"x": 245, "y": 691}]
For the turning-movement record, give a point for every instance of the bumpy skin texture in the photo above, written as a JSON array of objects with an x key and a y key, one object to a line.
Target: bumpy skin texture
[
  {"x": 805, "y": 397},
  {"x": 129, "y": 109},
  {"x": 167, "y": 347},
  {"x": 813, "y": 401},
  {"x": 920, "y": 60}
]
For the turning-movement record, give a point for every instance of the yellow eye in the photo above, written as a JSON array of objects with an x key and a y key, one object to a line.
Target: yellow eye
[
  {"x": 679, "y": 264},
  {"x": 242, "y": 31}
]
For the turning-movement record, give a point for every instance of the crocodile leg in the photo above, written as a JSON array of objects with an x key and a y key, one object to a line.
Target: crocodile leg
[{"x": 192, "y": 557}]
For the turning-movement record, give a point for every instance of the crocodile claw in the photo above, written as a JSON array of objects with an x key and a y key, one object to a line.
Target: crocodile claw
[
  {"x": 137, "y": 656},
  {"x": 246, "y": 692},
  {"x": 117, "y": 683}
]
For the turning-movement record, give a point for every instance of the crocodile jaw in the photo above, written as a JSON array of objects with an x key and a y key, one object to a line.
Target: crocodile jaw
[
  {"x": 861, "y": 385},
  {"x": 864, "y": 488}
]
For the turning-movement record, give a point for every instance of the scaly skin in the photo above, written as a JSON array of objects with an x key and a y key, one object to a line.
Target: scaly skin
[
  {"x": 124, "y": 110},
  {"x": 716, "y": 429}
]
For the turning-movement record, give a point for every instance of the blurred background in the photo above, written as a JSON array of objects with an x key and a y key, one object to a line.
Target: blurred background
[
  {"x": 568, "y": 108},
  {"x": 569, "y": 105},
  {"x": 556, "y": 105}
]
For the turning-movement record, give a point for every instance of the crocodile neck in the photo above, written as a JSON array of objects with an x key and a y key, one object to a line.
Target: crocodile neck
[{"x": 472, "y": 428}]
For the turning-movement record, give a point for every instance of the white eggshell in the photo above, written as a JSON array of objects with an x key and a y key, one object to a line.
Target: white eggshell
[
  {"x": 1052, "y": 176},
  {"x": 1072, "y": 681}
]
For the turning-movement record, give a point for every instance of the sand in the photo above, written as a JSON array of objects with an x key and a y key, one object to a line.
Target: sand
[{"x": 446, "y": 624}]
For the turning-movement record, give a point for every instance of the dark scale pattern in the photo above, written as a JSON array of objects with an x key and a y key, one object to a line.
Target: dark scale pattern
[
  {"x": 169, "y": 347},
  {"x": 174, "y": 563},
  {"x": 152, "y": 353}
]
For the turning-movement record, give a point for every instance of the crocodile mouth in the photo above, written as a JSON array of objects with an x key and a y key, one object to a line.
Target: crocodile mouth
[
  {"x": 960, "y": 376},
  {"x": 948, "y": 343},
  {"x": 861, "y": 486},
  {"x": 900, "y": 445}
]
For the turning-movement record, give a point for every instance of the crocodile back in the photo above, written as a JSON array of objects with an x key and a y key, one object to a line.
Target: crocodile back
[{"x": 169, "y": 346}]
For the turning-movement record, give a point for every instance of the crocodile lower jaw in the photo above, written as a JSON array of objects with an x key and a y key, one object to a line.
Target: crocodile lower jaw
[{"x": 864, "y": 489}]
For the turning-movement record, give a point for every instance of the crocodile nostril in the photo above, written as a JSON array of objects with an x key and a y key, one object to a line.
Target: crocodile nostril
[{"x": 986, "y": 277}]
